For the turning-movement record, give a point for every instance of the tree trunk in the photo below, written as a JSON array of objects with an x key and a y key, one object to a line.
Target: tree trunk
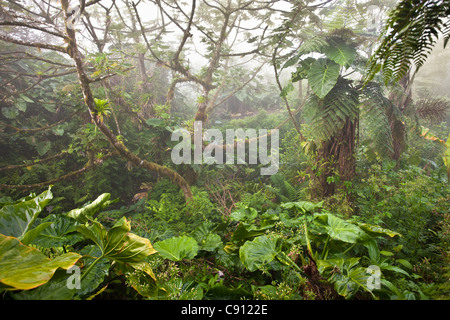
[
  {"x": 335, "y": 161},
  {"x": 84, "y": 81}
]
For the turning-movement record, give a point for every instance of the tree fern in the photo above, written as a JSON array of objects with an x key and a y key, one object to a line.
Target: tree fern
[
  {"x": 284, "y": 190},
  {"x": 375, "y": 109},
  {"x": 432, "y": 109},
  {"x": 328, "y": 115},
  {"x": 409, "y": 36}
]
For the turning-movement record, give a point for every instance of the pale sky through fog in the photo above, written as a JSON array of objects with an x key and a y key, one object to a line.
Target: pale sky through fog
[{"x": 435, "y": 73}]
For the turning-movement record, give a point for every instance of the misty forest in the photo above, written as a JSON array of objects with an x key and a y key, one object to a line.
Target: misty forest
[{"x": 224, "y": 149}]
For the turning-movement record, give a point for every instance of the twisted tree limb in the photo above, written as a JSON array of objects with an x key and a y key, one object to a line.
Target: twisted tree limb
[
  {"x": 32, "y": 163},
  {"x": 72, "y": 50}
]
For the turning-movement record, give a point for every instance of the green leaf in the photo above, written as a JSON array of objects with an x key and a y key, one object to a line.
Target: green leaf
[
  {"x": 24, "y": 268},
  {"x": 16, "y": 219},
  {"x": 405, "y": 263},
  {"x": 246, "y": 231},
  {"x": 62, "y": 231},
  {"x": 303, "y": 206},
  {"x": 21, "y": 105},
  {"x": 43, "y": 147},
  {"x": 24, "y": 97},
  {"x": 340, "y": 229},
  {"x": 323, "y": 76},
  {"x": 375, "y": 231},
  {"x": 212, "y": 242},
  {"x": 293, "y": 60},
  {"x": 177, "y": 248},
  {"x": 397, "y": 270},
  {"x": 155, "y": 122},
  {"x": 52, "y": 290},
  {"x": 33, "y": 233},
  {"x": 345, "y": 275},
  {"x": 372, "y": 247},
  {"x": 10, "y": 113},
  {"x": 142, "y": 279},
  {"x": 97, "y": 274},
  {"x": 340, "y": 53},
  {"x": 302, "y": 70},
  {"x": 244, "y": 214},
  {"x": 285, "y": 91},
  {"x": 259, "y": 252},
  {"x": 58, "y": 131},
  {"x": 118, "y": 243},
  {"x": 86, "y": 213}
]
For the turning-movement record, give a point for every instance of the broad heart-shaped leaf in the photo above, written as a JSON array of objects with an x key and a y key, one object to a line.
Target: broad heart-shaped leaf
[
  {"x": 303, "y": 206},
  {"x": 141, "y": 278},
  {"x": 257, "y": 253},
  {"x": 340, "y": 53},
  {"x": 43, "y": 147},
  {"x": 118, "y": 243},
  {"x": 212, "y": 242},
  {"x": 302, "y": 70},
  {"x": 245, "y": 231},
  {"x": 85, "y": 213},
  {"x": 10, "y": 113},
  {"x": 24, "y": 268},
  {"x": 244, "y": 214},
  {"x": 97, "y": 274},
  {"x": 52, "y": 290},
  {"x": 323, "y": 75},
  {"x": 375, "y": 231},
  {"x": 16, "y": 219},
  {"x": 340, "y": 229},
  {"x": 62, "y": 231},
  {"x": 177, "y": 248},
  {"x": 345, "y": 275}
]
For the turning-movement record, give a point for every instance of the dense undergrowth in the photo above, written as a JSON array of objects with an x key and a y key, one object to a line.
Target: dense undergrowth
[
  {"x": 270, "y": 244},
  {"x": 359, "y": 207}
]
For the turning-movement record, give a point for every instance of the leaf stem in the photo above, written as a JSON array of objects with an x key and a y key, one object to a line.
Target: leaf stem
[{"x": 90, "y": 267}]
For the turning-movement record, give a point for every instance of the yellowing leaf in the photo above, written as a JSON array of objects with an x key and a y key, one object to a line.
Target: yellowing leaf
[{"x": 24, "y": 268}]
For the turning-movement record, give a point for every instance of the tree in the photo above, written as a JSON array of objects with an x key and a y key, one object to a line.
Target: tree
[
  {"x": 335, "y": 104},
  {"x": 46, "y": 22},
  {"x": 410, "y": 33}
]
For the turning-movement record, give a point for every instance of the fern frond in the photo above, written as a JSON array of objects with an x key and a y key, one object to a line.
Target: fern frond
[
  {"x": 375, "y": 110},
  {"x": 409, "y": 36},
  {"x": 315, "y": 43},
  {"x": 284, "y": 190},
  {"x": 432, "y": 109},
  {"x": 330, "y": 114}
]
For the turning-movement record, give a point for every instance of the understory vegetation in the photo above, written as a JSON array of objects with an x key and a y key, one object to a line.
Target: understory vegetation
[{"x": 92, "y": 205}]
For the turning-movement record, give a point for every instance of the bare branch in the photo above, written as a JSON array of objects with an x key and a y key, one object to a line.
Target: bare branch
[
  {"x": 33, "y": 44},
  {"x": 27, "y": 25},
  {"x": 32, "y": 163}
]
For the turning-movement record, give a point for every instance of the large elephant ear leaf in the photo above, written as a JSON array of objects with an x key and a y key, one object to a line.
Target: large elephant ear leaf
[
  {"x": 341, "y": 53},
  {"x": 17, "y": 218},
  {"x": 340, "y": 229},
  {"x": 86, "y": 213},
  {"x": 259, "y": 252},
  {"x": 376, "y": 231},
  {"x": 322, "y": 76},
  {"x": 126, "y": 247},
  {"x": 24, "y": 268},
  {"x": 177, "y": 248},
  {"x": 118, "y": 243}
]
